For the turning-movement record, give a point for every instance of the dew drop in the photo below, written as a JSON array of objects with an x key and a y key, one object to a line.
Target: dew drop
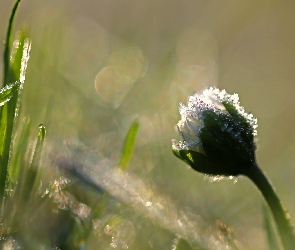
[
  {"x": 114, "y": 243},
  {"x": 108, "y": 230},
  {"x": 148, "y": 204}
]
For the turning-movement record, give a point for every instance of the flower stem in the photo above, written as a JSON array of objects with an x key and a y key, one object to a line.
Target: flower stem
[{"x": 278, "y": 210}]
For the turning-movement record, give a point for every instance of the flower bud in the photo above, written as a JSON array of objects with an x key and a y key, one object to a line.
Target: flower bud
[{"x": 218, "y": 135}]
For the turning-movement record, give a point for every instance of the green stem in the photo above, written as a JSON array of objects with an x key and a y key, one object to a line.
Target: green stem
[{"x": 278, "y": 210}]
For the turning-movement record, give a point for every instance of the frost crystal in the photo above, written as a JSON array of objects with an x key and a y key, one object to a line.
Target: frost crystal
[{"x": 192, "y": 119}]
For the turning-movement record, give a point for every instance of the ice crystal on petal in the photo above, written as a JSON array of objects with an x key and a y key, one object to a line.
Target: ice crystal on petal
[{"x": 192, "y": 122}]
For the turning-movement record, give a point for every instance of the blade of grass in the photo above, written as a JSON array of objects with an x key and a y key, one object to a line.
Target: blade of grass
[
  {"x": 128, "y": 146},
  {"x": 9, "y": 111},
  {"x": 7, "y": 92},
  {"x": 30, "y": 182},
  {"x": 271, "y": 234},
  {"x": 8, "y": 42},
  {"x": 18, "y": 162}
]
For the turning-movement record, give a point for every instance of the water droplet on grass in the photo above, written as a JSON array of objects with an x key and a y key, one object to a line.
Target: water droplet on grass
[{"x": 108, "y": 230}]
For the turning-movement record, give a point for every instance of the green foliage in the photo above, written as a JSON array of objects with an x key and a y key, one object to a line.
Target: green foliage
[
  {"x": 7, "y": 92},
  {"x": 7, "y": 50},
  {"x": 128, "y": 145},
  {"x": 13, "y": 63},
  {"x": 20, "y": 151},
  {"x": 269, "y": 229},
  {"x": 31, "y": 181}
]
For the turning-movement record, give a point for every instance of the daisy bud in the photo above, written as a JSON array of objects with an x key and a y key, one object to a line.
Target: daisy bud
[{"x": 218, "y": 135}]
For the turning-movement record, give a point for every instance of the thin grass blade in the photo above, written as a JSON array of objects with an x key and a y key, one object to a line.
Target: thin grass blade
[
  {"x": 7, "y": 92},
  {"x": 269, "y": 229},
  {"x": 19, "y": 160},
  {"x": 128, "y": 146},
  {"x": 7, "y": 51},
  {"x": 31, "y": 178}
]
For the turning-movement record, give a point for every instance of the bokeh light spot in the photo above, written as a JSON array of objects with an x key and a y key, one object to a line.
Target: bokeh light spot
[{"x": 110, "y": 87}]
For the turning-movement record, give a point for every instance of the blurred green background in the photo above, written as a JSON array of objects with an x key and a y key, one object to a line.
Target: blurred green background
[{"x": 100, "y": 64}]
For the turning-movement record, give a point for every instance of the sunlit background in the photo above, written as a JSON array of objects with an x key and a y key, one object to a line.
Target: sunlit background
[{"x": 97, "y": 65}]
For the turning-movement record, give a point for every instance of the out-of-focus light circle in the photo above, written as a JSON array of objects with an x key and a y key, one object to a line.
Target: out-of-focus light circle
[
  {"x": 110, "y": 86},
  {"x": 125, "y": 66},
  {"x": 197, "y": 76},
  {"x": 129, "y": 63}
]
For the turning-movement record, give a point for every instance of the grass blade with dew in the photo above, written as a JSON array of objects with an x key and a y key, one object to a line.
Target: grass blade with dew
[
  {"x": 7, "y": 92},
  {"x": 3, "y": 111},
  {"x": 100, "y": 204},
  {"x": 271, "y": 234},
  {"x": 19, "y": 161},
  {"x": 140, "y": 197},
  {"x": 15, "y": 72},
  {"x": 128, "y": 146},
  {"x": 126, "y": 154},
  {"x": 30, "y": 184},
  {"x": 144, "y": 200}
]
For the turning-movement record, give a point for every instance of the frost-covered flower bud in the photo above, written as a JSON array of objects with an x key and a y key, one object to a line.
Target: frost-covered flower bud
[{"x": 218, "y": 135}]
